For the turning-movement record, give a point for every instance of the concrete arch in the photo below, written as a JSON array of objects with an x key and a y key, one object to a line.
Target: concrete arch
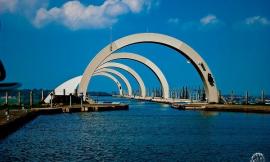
[
  {"x": 70, "y": 85},
  {"x": 120, "y": 75},
  {"x": 108, "y": 75},
  {"x": 200, "y": 65},
  {"x": 152, "y": 66},
  {"x": 130, "y": 70}
]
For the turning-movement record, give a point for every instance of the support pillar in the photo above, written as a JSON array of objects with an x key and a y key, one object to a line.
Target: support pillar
[
  {"x": 70, "y": 100},
  {"x": 31, "y": 99},
  {"x": 81, "y": 95},
  {"x": 42, "y": 95},
  {"x": 6, "y": 101},
  {"x": 51, "y": 94},
  {"x": 19, "y": 98}
]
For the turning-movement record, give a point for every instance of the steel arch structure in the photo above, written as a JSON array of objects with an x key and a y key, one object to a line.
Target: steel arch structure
[
  {"x": 197, "y": 61},
  {"x": 108, "y": 75},
  {"x": 148, "y": 63},
  {"x": 120, "y": 75},
  {"x": 129, "y": 70}
]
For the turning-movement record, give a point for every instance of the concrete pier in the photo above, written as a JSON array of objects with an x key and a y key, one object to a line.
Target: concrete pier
[
  {"x": 15, "y": 120},
  {"x": 224, "y": 107},
  {"x": 94, "y": 107}
]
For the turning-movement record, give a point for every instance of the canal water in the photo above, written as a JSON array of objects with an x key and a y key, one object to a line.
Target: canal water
[{"x": 146, "y": 132}]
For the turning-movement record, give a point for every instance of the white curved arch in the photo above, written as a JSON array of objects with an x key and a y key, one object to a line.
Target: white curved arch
[
  {"x": 152, "y": 66},
  {"x": 130, "y": 70},
  {"x": 120, "y": 75},
  {"x": 70, "y": 85},
  {"x": 119, "y": 86},
  {"x": 202, "y": 68}
]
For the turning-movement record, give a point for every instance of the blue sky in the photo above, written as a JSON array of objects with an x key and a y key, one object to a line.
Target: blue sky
[{"x": 43, "y": 43}]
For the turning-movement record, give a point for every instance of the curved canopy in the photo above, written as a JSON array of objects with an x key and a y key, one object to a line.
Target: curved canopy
[{"x": 70, "y": 85}]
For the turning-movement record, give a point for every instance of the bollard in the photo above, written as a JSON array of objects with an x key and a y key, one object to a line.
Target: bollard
[{"x": 7, "y": 112}]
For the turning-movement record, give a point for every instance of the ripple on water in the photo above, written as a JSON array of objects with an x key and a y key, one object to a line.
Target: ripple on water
[{"x": 147, "y": 132}]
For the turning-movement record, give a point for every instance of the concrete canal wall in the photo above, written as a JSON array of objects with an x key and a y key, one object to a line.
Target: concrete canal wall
[
  {"x": 15, "y": 119},
  {"x": 224, "y": 107}
]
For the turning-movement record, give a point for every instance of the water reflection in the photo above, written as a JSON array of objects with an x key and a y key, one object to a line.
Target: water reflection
[{"x": 209, "y": 113}]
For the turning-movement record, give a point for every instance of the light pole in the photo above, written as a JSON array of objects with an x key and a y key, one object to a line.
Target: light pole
[
  {"x": 70, "y": 99},
  {"x": 81, "y": 96},
  {"x": 51, "y": 94}
]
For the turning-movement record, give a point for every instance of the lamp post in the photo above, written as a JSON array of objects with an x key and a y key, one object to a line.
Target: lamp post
[
  {"x": 81, "y": 96},
  {"x": 51, "y": 94},
  {"x": 70, "y": 99}
]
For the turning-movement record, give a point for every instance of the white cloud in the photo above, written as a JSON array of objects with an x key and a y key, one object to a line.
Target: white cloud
[
  {"x": 173, "y": 21},
  {"x": 134, "y": 5},
  {"x": 75, "y": 15},
  {"x": 209, "y": 19},
  {"x": 8, "y": 5},
  {"x": 206, "y": 23},
  {"x": 27, "y": 8},
  {"x": 257, "y": 20}
]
